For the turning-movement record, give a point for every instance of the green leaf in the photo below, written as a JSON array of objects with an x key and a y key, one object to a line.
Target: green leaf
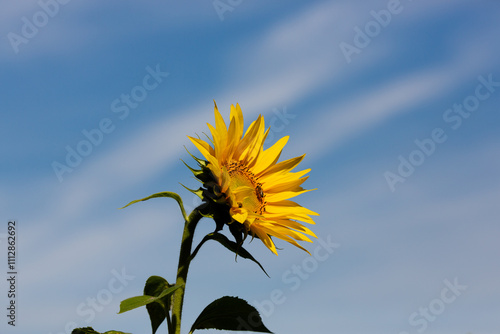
[
  {"x": 155, "y": 285},
  {"x": 135, "y": 302},
  {"x": 84, "y": 330},
  {"x": 235, "y": 248},
  {"x": 163, "y": 194},
  {"x": 90, "y": 330},
  {"x": 230, "y": 313}
]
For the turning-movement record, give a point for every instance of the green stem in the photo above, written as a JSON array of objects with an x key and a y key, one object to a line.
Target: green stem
[
  {"x": 182, "y": 270},
  {"x": 169, "y": 322}
]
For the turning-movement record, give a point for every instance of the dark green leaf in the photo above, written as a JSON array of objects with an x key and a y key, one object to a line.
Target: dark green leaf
[
  {"x": 234, "y": 247},
  {"x": 158, "y": 311},
  {"x": 230, "y": 313},
  {"x": 85, "y": 330},
  {"x": 135, "y": 302},
  {"x": 90, "y": 330},
  {"x": 163, "y": 194}
]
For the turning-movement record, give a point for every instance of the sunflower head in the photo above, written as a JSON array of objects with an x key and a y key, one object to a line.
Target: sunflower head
[{"x": 246, "y": 188}]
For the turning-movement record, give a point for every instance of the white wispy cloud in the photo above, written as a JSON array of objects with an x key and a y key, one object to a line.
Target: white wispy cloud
[
  {"x": 64, "y": 30},
  {"x": 338, "y": 123}
]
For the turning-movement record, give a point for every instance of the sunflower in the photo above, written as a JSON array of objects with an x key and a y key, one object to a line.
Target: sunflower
[{"x": 249, "y": 185}]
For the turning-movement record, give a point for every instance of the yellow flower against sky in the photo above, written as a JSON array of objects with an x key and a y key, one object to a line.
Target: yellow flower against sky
[{"x": 250, "y": 181}]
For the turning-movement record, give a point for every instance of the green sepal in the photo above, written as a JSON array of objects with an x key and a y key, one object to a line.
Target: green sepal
[
  {"x": 196, "y": 172},
  {"x": 207, "y": 215},
  {"x": 138, "y": 301},
  {"x": 201, "y": 163},
  {"x": 198, "y": 192},
  {"x": 203, "y": 174},
  {"x": 158, "y": 311},
  {"x": 90, "y": 330},
  {"x": 230, "y": 313},
  {"x": 163, "y": 194}
]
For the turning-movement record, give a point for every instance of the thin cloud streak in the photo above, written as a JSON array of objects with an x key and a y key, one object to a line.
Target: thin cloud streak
[{"x": 356, "y": 116}]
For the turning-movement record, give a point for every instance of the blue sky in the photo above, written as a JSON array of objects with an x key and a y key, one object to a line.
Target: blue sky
[{"x": 399, "y": 122}]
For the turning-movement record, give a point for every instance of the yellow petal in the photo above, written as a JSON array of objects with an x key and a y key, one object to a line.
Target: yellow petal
[
  {"x": 277, "y": 230},
  {"x": 296, "y": 216},
  {"x": 232, "y": 141},
  {"x": 218, "y": 142},
  {"x": 243, "y": 192},
  {"x": 238, "y": 214},
  {"x": 264, "y": 237},
  {"x": 236, "y": 117},
  {"x": 220, "y": 125},
  {"x": 273, "y": 179},
  {"x": 291, "y": 224},
  {"x": 205, "y": 149},
  {"x": 286, "y": 186},
  {"x": 225, "y": 180},
  {"x": 254, "y": 148},
  {"x": 288, "y": 206},
  {"x": 270, "y": 156},
  {"x": 282, "y": 167},
  {"x": 283, "y": 237},
  {"x": 275, "y": 197},
  {"x": 249, "y": 137}
]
